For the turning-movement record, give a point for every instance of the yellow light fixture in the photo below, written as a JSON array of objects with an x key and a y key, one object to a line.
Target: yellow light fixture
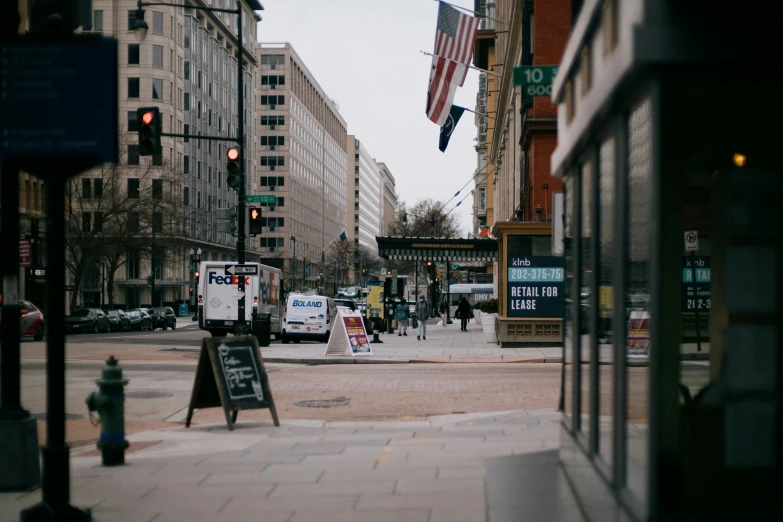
[{"x": 739, "y": 159}]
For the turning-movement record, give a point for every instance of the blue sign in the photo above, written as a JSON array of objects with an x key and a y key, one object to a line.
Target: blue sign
[
  {"x": 696, "y": 284},
  {"x": 535, "y": 286},
  {"x": 58, "y": 99},
  {"x": 183, "y": 309}
]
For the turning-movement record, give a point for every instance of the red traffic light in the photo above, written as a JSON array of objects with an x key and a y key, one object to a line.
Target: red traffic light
[
  {"x": 147, "y": 117},
  {"x": 429, "y": 263},
  {"x": 233, "y": 153}
]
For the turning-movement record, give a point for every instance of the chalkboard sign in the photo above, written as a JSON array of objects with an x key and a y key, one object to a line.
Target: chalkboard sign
[{"x": 230, "y": 374}]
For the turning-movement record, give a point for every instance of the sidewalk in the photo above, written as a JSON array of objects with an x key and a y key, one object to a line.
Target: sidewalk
[
  {"x": 443, "y": 344},
  {"x": 456, "y": 468}
]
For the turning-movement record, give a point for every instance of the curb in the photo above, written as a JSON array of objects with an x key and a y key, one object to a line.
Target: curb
[{"x": 342, "y": 360}]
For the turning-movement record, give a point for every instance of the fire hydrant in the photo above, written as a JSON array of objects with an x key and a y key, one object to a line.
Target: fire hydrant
[{"x": 109, "y": 402}]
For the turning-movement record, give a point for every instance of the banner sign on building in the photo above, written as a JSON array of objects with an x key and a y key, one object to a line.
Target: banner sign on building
[{"x": 535, "y": 286}]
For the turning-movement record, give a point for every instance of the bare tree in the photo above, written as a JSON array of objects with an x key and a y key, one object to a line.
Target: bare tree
[{"x": 114, "y": 211}]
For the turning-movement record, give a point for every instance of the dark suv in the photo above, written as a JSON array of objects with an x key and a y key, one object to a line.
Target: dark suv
[{"x": 163, "y": 317}]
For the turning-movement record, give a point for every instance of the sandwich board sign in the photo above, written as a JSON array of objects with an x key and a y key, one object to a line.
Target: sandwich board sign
[
  {"x": 349, "y": 335},
  {"x": 230, "y": 374}
]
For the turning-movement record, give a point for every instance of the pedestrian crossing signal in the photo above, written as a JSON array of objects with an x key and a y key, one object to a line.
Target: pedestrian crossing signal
[{"x": 149, "y": 131}]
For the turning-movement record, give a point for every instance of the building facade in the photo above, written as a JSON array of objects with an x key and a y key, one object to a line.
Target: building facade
[
  {"x": 367, "y": 195},
  {"x": 186, "y": 67},
  {"x": 302, "y": 159},
  {"x": 672, "y": 206},
  {"x": 389, "y": 205}
]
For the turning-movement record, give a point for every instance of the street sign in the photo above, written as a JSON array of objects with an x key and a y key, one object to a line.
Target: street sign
[
  {"x": 191, "y": 267},
  {"x": 59, "y": 99},
  {"x": 536, "y": 80},
  {"x": 242, "y": 269},
  {"x": 455, "y": 267},
  {"x": 691, "y": 241},
  {"x": 261, "y": 198}
]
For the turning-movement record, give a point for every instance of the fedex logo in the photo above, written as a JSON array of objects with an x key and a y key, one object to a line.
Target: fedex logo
[{"x": 215, "y": 279}]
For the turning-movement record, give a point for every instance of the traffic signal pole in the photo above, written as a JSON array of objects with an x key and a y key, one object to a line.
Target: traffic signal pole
[{"x": 241, "y": 328}]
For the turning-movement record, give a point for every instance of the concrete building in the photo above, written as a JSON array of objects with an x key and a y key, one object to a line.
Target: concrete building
[
  {"x": 389, "y": 205},
  {"x": 367, "y": 195},
  {"x": 186, "y": 67},
  {"x": 302, "y": 159}
]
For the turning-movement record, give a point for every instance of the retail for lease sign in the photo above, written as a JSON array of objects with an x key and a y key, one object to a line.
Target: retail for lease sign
[{"x": 535, "y": 286}]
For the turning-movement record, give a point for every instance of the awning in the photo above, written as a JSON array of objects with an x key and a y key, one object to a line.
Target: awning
[{"x": 437, "y": 249}]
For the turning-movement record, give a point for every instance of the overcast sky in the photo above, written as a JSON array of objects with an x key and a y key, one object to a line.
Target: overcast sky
[{"x": 366, "y": 55}]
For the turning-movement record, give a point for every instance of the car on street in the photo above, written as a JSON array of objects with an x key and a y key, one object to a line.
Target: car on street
[
  {"x": 119, "y": 321},
  {"x": 139, "y": 320},
  {"x": 87, "y": 320},
  {"x": 345, "y": 304},
  {"x": 163, "y": 317},
  {"x": 31, "y": 321}
]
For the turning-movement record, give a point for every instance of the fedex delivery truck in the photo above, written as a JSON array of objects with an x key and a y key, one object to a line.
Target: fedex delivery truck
[{"x": 218, "y": 296}]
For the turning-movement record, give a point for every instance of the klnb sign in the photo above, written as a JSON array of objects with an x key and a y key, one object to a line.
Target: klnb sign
[{"x": 535, "y": 286}]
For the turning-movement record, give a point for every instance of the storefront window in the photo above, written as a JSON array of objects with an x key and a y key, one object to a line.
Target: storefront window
[
  {"x": 605, "y": 336},
  {"x": 638, "y": 297},
  {"x": 585, "y": 293},
  {"x": 568, "y": 288}
]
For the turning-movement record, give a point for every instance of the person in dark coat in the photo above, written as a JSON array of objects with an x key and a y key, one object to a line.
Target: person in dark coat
[{"x": 463, "y": 312}]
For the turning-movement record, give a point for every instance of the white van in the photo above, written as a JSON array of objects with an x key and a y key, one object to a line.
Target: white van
[{"x": 308, "y": 317}]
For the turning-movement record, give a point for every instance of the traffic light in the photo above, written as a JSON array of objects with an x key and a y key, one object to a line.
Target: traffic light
[
  {"x": 197, "y": 274},
  {"x": 233, "y": 167},
  {"x": 254, "y": 220},
  {"x": 190, "y": 290},
  {"x": 149, "y": 131},
  {"x": 227, "y": 220}
]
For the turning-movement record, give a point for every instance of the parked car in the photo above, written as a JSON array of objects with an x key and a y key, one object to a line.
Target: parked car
[
  {"x": 87, "y": 320},
  {"x": 345, "y": 304},
  {"x": 118, "y": 321},
  {"x": 31, "y": 321},
  {"x": 163, "y": 317},
  {"x": 139, "y": 320}
]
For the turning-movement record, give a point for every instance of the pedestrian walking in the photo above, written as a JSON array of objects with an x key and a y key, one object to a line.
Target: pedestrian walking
[
  {"x": 422, "y": 311},
  {"x": 401, "y": 314},
  {"x": 442, "y": 307},
  {"x": 463, "y": 313}
]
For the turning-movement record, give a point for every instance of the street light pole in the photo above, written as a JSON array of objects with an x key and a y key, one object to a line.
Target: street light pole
[{"x": 293, "y": 265}]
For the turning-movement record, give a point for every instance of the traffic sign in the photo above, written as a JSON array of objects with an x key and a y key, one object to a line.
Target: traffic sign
[
  {"x": 536, "y": 80},
  {"x": 191, "y": 267},
  {"x": 242, "y": 269},
  {"x": 261, "y": 198},
  {"x": 691, "y": 241},
  {"x": 455, "y": 267},
  {"x": 59, "y": 98}
]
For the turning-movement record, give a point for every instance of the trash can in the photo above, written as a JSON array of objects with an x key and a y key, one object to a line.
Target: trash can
[{"x": 262, "y": 324}]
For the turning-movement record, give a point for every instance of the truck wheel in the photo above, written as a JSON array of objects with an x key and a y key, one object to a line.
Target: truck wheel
[
  {"x": 297, "y": 341},
  {"x": 285, "y": 339},
  {"x": 277, "y": 336}
]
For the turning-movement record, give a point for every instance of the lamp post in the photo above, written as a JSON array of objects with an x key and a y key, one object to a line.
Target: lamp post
[
  {"x": 195, "y": 285},
  {"x": 140, "y": 29}
]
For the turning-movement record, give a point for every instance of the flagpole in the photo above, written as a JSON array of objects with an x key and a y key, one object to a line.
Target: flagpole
[
  {"x": 466, "y": 65},
  {"x": 480, "y": 15},
  {"x": 482, "y": 115}
]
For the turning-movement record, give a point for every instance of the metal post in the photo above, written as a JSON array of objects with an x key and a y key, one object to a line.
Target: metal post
[
  {"x": 152, "y": 259},
  {"x": 10, "y": 384},
  {"x": 448, "y": 292},
  {"x": 241, "y": 324},
  {"x": 293, "y": 265},
  {"x": 304, "y": 265},
  {"x": 103, "y": 283}
]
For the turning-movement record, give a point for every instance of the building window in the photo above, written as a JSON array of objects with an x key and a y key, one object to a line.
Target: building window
[
  {"x": 157, "y": 222},
  {"x": 157, "y": 89},
  {"x": 133, "y": 221},
  {"x": 186, "y": 196},
  {"x": 134, "y": 54},
  {"x": 585, "y": 71},
  {"x": 131, "y": 19},
  {"x": 97, "y": 188},
  {"x": 157, "y": 22},
  {"x": 198, "y": 199},
  {"x": 133, "y": 87},
  {"x": 157, "y": 56},
  {"x": 482, "y": 199},
  {"x": 198, "y": 170},
  {"x": 187, "y": 70},
  {"x": 133, "y": 188},
  {"x": 97, "y": 21},
  {"x": 609, "y": 20},
  {"x": 86, "y": 223},
  {"x": 186, "y": 164},
  {"x": 132, "y": 264},
  {"x": 186, "y": 131},
  {"x": 157, "y": 189},
  {"x": 98, "y": 221},
  {"x": 86, "y": 188},
  {"x": 133, "y": 154},
  {"x": 133, "y": 121},
  {"x": 280, "y": 201},
  {"x": 186, "y": 101}
]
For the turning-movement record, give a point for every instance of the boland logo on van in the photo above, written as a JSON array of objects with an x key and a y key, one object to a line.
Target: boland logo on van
[
  {"x": 215, "y": 279},
  {"x": 307, "y": 304}
]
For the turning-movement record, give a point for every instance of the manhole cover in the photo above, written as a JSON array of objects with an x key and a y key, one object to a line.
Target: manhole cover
[
  {"x": 146, "y": 394},
  {"x": 68, "y": 416},
  {"x": 324, "y": 403}
]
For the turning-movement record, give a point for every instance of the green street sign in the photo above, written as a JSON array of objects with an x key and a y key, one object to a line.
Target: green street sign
[
  {"x": 536, "y": 80},
  {"x": 455, "y": 267},
  {"x": 261, "y": 198},
  {"x": 191, "y": 267}
]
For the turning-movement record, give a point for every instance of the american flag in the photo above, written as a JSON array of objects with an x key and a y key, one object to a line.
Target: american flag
[
  {"x": 339, "y": 239},
  {"x": 454, "y": 40}
]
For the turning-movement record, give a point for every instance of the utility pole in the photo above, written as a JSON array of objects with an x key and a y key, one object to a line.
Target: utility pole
[{"x": 293, "y": 265}]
